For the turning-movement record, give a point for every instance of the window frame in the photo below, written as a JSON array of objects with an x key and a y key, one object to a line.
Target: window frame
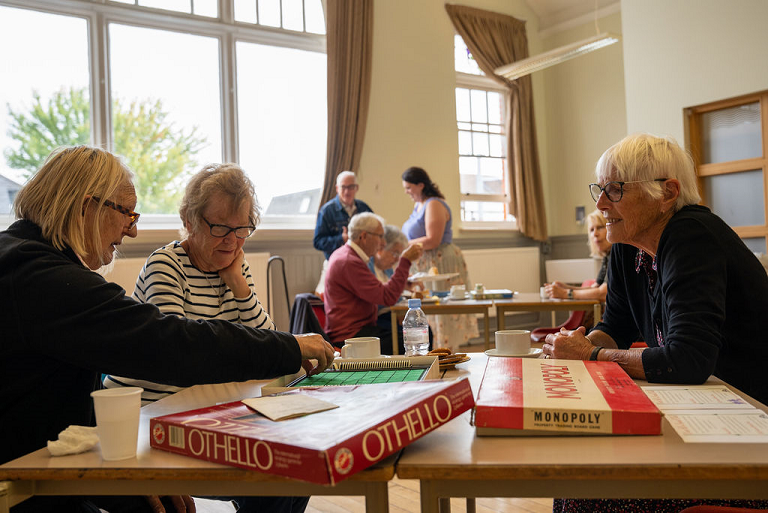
[
  {"x": 485, "y": 83},
  {"x": 100, "y": 13},
  {"x": 693, "y": 117}
]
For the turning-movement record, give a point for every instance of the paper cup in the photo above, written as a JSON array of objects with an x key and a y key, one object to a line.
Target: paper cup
[
  {"x": 117, "y": 421},
  {"x": 513, "y": 341},
  {"x": 543, "y": 293},
  {"x": 458, "y": 291},
  {"x": 361, "y": 347}
]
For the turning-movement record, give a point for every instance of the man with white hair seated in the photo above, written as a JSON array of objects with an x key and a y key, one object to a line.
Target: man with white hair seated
[{"x": 352, "y": 292}]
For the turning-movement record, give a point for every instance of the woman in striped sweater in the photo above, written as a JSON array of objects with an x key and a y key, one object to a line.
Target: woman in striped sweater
[{"x": 205, "y": 275}]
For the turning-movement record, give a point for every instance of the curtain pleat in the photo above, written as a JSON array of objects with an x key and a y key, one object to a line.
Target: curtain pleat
[
  {"x": 495, "y": 40},
  {"x": 349, "y": 43}
]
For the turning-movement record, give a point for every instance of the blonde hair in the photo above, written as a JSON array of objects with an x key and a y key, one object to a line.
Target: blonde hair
[
  {"x": 228, "y": 179},
  {"x": 646, "y": 157},
  {"x": 54, "y": 197},
  {"x": 598, "y": 219}
]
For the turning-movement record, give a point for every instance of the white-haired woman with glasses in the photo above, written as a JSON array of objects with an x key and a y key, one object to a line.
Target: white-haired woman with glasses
[
  {"x": 205, "y": 275},
  {"x": 64, "y": 325},
  {"x": 680, "y": 279}
]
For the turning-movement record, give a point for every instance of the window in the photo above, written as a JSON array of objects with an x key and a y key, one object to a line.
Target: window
[
  {"x": 170, "y": 85},
  {"x": 480, "y": 114},
  {"x": 728, "y": 145}
]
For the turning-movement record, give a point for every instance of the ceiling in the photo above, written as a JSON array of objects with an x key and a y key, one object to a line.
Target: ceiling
[{"x": 552, "y": 13}]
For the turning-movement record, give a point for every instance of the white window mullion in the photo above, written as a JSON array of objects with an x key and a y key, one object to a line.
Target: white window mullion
[
  {"x": 101, "y": 112},
  {"x": 229, "y": 128}
]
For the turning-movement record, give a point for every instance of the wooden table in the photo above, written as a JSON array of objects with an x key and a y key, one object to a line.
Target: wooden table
[
  {"x": 532, "y": 302},
  {"x": 443, "y": 307},
  {"x": 453, "y": 462},
  {"x": 155, "y": 472}
]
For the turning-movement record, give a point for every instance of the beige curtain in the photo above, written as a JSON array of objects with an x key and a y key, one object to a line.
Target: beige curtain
[
  {"x": 349, "y": 46},
  {"x": 494, "y": 40}
]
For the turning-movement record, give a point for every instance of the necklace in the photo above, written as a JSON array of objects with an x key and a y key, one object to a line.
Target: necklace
[{"x": 218, "y": 289}]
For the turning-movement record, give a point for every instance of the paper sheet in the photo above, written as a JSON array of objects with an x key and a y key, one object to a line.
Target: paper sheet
[
  {"x": 694, "y": 397},
  {"x": 720, "y": 426},
  {"x": 281, "y": 407}
]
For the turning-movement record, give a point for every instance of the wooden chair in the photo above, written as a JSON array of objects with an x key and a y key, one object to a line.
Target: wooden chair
[{"x": 574, "y": 321}]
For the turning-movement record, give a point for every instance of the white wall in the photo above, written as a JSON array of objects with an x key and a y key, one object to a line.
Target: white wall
[
  {"x": 411, "y": 119},
  {"x": 585, "y": 114},
  {"x": 682, "y": 53}
]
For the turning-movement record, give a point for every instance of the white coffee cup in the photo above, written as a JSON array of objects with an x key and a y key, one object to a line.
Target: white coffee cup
[
  {"x": 513, "y": 341},
  {"x": 361, "y": 347},
  {"x": 458, "y": 291},
  {"x": 543, "y": 293},
  {"x": 117, "y": 421}
]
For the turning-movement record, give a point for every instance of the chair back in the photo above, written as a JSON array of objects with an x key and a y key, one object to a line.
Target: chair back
[{"x": 303, "y": 316}]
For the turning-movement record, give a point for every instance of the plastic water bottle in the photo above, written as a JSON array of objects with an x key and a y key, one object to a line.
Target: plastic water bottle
[{"x": 415, "y": 330}]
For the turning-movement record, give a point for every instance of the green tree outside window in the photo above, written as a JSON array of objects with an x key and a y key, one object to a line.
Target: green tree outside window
[{"x": 161, "y": 157}]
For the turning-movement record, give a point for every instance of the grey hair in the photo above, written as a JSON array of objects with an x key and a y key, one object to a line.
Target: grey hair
[
  {"x": 646, "y": 157},
  {"x": 363, "y": 222},
  {"x": 393, "y": 235},
  {"x": 343, "y": 175}
]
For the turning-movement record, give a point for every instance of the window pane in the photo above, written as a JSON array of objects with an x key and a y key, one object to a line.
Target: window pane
[
  {"x": 463, "y": 60},
  {"x": 282, "y": 120},
  {"x": 468, "y": 166},
  {"x": 756, "y": 245},
  {"x": 245, "y": 10},
  {"x": 293, "y": 15},
  {"x": 206, "y": 8},
  {"x": 492, "y": 175},
  {"x": 269, "y": 13},
  {"x": 497, "y": 145},
  {"x": 731, "y": 134},
  {"x": 462, "y": 104},
  {"x": 736, "y": 197},
  {"x": 313, "y": 15},
  {"x": 45, "y": 85},
  {"x": 483, "y": 211},
  {"x": 479, "y": 108},
  {"x": 479, "y": 144},
  {"x": 465, "y": 126},
  {"x": 494, "y": 108},
  {"x": 169, "y": 125},
  {"x": 169, "y": 5},
  {"x": 465, "y": 143}
]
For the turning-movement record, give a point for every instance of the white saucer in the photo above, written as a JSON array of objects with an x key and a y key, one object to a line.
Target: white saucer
[
  {"x": 532, "y": 353},
  {"x": 466, "y": 296}
]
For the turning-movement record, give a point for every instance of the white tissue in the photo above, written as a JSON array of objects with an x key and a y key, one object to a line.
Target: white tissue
[{"x": 73, "y": 440}]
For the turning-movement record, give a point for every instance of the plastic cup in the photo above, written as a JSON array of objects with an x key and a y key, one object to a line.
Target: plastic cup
[{"x": 117, "y": 421}]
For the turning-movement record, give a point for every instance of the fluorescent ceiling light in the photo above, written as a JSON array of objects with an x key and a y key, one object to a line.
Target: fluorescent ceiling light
[{"x": 556, "y": 56}]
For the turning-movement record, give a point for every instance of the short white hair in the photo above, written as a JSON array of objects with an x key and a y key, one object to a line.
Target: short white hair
[
  {"x": 343, "y": 175},
  {"x": 647, "y": 157},
  {"x": 364, "y": 222}
]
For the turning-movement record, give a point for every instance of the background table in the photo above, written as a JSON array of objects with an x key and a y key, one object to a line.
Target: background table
[
  {"x": 532, "y": 302},
  {"x": 155, "y": 472},
  {"x": 443, "y": 307},
  {"x": 453, "y": 462}
]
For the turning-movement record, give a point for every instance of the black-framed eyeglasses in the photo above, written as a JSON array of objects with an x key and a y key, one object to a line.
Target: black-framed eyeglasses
[
  {"x": 614, "y": 191},
  {"x": 352, "y": 187},
  {"x": 126, "y": 211},
  {"x": 222, "y": 230},
  {"x": 380, "y": 235}
]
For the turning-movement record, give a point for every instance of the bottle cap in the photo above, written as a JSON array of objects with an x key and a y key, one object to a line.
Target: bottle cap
[{"x": 414, "y": 303}]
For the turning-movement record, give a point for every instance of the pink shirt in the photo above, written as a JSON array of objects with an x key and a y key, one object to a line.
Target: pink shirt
[{"x": 353, "y": 293}]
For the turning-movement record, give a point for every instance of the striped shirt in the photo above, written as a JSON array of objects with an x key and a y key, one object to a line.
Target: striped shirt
[{"x": 169, "y": 281}]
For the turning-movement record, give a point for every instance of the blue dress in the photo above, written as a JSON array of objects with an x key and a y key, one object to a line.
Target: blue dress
[{"x": 449, "y": 330}]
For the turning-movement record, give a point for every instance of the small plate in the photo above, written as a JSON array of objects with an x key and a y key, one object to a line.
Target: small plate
[
  {"x": 452, "y": 365},
  {"x": 422, "y": 277},
  {"x": 467, "y": 295},
  {"x": 532, "y": 353}
]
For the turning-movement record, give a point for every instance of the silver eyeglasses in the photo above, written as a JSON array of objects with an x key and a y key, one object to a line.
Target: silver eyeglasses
[{"x": 614, "y": 191}]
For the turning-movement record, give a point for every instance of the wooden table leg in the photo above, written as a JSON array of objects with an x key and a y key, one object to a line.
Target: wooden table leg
[
  {"x": 5, "y": 499},
  {"x": 499, "y": 318},
  {"x": 597, "y": 310},
  {"x": 377, "y": 498},
  {"x": 429, "y": 500}
]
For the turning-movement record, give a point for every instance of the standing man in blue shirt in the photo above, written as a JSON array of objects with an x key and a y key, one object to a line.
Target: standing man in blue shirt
[{"x": 333, "y": 217}]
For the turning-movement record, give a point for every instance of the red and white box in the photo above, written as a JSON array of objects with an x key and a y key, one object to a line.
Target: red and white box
[
  {"x": 523, "y": 396},
  {"x": 371, "y": 422}
]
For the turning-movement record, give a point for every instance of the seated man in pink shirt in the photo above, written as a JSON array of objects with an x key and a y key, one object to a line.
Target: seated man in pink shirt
[{"x": 352, "y": 291}]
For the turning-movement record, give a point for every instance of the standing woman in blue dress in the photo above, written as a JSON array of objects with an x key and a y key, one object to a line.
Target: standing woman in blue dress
[{"x": 430, "y": 224}]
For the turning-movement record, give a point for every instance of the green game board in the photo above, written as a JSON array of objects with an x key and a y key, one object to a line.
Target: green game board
[{"x": 359, "y": 377}]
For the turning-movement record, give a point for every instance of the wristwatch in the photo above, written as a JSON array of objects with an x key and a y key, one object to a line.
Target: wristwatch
[{"x": 570, "y": 293}]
